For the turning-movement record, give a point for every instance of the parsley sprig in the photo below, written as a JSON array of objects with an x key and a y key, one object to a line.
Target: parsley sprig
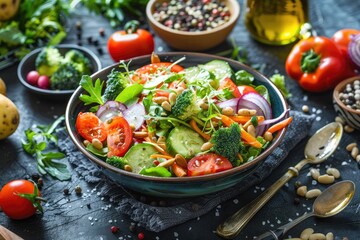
[{"x": 39, "y": 142}]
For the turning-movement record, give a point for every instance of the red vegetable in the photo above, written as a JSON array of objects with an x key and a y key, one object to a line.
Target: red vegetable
[
  {"x": 89, "y": 126},
  {"x": 144, "y": 73},
  {"x": 19, "y": 199},
  {"x": 119, "y": 136},
  {"x": 317, "y": 64},
  {"x": 207, "y": 164},
  {"x": 354, "y": 50},
  {"x": 131, "y": 42},
  {"x": 228, "y": 84},
  {"x": 32, "y": 77}
]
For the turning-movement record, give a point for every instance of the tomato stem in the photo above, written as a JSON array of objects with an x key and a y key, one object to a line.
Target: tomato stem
[
  {"x": 34, "y": 198},
  {"x": 310, "y": 61},
  {"x": 132, "y": 26}
]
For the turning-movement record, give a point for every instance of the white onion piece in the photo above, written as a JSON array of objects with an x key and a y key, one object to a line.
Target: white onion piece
[
  {"x": 354, "y": 49},
  {"x": 135, "y": 115},
  {"x": 109, "y": 110},
  {"x": 229, "y": 103}
]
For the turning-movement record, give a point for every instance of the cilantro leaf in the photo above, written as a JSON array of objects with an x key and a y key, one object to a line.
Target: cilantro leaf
[{"x": 93, "y": 89}]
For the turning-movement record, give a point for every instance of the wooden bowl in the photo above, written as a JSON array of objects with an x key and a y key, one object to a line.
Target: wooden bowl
[{"x": 193, "y": 41}]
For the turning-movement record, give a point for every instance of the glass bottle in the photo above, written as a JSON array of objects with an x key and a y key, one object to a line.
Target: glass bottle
[{"x": 275, "y": 22}]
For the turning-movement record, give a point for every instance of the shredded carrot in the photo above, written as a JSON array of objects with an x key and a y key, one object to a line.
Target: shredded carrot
[
  {"x": 160, "y": 149},
  {"x": 244, "y": 119},
  {"x": 178, "y": 171},
  {"x": 244, "y": 134},
  {"x": 280, "y": 125},
  {"x": 160, "y": 156},
  {"x": 198, "y": 130}
]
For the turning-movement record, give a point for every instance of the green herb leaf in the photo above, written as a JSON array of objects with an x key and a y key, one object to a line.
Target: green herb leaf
[
  {"x": 279, "y": 81},
  {"x": 242, "y": 77},
  {"x": 93, "y": 89},
  {"x": 130, "y": 92}
]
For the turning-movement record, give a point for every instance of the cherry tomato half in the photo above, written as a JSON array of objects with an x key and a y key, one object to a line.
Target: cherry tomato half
[
  {"x": 207, "y": 164},
  {"x": 144, "y": 73},
  {"x": 129, "y": 43},
  {"x": 89, "y": 126},
  {"x": 227, "y": 83},
  {"x": 12, "y": 204},
  {"x": 119, "y": 136},
  {"x": 243, "y": 89}
]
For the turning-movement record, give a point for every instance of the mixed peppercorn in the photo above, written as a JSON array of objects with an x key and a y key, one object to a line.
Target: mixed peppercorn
[
  {"x": 350, "y": 96},
  {"x": 192, "y": 15}
]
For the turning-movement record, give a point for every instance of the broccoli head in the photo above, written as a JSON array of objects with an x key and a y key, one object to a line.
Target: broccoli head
[
  {"x": 66, "y": 77},
  {"x": 227, "y": 142},
  {"x": 48, "y": 61},
  {"x": 117, "y": 81},
  {"x": 186, "y": 105},
  {"x": 81, "y": 63},
  {"x": 118, "y": 162}
]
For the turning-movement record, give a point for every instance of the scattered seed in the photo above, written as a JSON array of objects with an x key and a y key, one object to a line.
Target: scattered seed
[
  {"x": 206, "y": 146},
  {"x": 100, "y": 50},
  {"x": 313, "y": 193},
  {"x": 301, "y": 191},
  {"x": 350, "y": 146},
  {"x": 172, "y": 98},
  {"x": 326, "y": 179},
  {"x": 128, "y": 168},
  {"x": 340, "y": 120},
  {"x": 102, "y": 32},
  {"x": 86, "y": 142},
  {"x": 88, "y": 206},
  {"x": 78, "y": 190},
  {"x": 329, "y": 236},
  {"x": 141, "y": 236},
  {"x": 317, "y": 236},
  {"x": 66, "y": 191},
  {"x": 354, "y": 152},
  {"x": 334, "y": 172},
  {"x": 305, "y": 234},
  {"x": 348, "y": 129},
  {"x": 297, "y": 184},
  {"x": 305, "y": 108},
  {"x": 97, "y": 144},
  {"x": 40, "y": 182},
  {"x": 314, "y": 173},
  {"x": 35, "y": 177},
  {"x": 96, "y": 42},
  {"x": 357, "y": 158},
  {"x": 78, "y": 25},
  {"x": 90, "y": 39},
  {"x": 114, "y": 229},
  {"x": 166, "y": 105}
]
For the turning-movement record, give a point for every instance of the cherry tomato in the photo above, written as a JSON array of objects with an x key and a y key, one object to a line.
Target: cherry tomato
[
  {"x": 89, "y": 126},
  {"x": 172, "y": 86},
  {"x": 227, "y": 83},
  {"x": 243, "y": 89},
  {"x": 144, "y": 73},
  {"x": 129, "y": 43},
  {"x": 343, "y": 37},
  {"x": 207, "y": 164},
  {"x": 119, "y": 136},
  {"x": 18, "y": 207}
]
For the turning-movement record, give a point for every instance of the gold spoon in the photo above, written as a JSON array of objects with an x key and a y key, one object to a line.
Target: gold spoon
[
  {"x": 330, "y": 202},
  {"x": 318, "y": 148}
]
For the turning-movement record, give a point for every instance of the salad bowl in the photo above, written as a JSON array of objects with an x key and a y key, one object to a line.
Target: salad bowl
[{"x": 176, "y": 186}]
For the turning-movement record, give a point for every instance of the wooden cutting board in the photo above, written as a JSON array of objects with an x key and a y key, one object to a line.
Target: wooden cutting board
[{"x": 6, "y": 234}]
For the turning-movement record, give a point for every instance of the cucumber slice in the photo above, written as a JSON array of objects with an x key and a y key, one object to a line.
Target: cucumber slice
[
  {"x": 184, "y": 141},
  {"x": 139, "y": 156},
  {"x": 219, "y": 68}
]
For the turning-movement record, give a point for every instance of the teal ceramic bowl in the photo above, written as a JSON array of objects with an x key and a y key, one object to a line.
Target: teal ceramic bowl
[{"x": 177, "y": 187}]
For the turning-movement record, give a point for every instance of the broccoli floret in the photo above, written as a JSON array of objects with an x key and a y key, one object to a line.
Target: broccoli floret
[
  {"x": 227, "y": 142},
  {"x": 186, "y": 105},
  {"x": 118, "y": 162},
  {"x": 66, "y": 77},
  {"x": 81, "y": 63},
  {"x": 117, "y": 81},
  {"x": 48, "y": 61}
]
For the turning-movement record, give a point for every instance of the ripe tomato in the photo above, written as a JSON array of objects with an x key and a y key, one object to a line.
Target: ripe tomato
[
  {"x": 227, "y": 83},
  {"x": 16, "y": 206},
  {"x": 246, "y": 89},
  {"x": 144, "y": 73},
  {"x": 343, "y": 37},
  {"x": 129, "y": 43},
  {"x": 207, "y": 164},
  {"x": 89, "y": 126},
  {"x": 119, "y": 136}
]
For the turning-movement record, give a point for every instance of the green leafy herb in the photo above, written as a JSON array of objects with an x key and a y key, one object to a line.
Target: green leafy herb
[
  {"x": 279, "y": 81},
  {"x": 93, "y": 89},
  {"x": 39, "y": 141},
  {"x": 243, "y": 77}
]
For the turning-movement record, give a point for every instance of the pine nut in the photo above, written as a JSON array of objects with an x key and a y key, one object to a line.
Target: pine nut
[
  {"x": 167, "y": 163},
  {"x": 140, "y": 134},
  {"x": 305, "y": 234},
  {"x": 206, "y": 146},
  {"x": 354, "y": 152},
  {"x": 268, "y": 136},
  {"x": 172, "y": 98},
  {"x": 315, "y": 173},
  {"x": 159, "y": 100},
  {"x": 228, "y": 111},
  {"x": 132, "y": 126},
  {"x": 86, "y": 142},
  {"x": 326, "y": 179},
  {"x": 305, "y": 108},
  {"x": 246, "y": 112},
  {"x": 334, "y": 172},
  {"x": 251, "y": 130},
  {"x": 97, "y": 144},
  {"x": 179, "y": 90},
  {"x": 348, "y": 129},
  {"x": 313, "y": 193},
  {"x": 128, "y": 168},
  {"x": 350, "y": 146},
  {"x": 301, "y": 191},
  {"x": 357, "y": 158},
  {"x": 340, "y": 120},
  {"x": 166, "y": 105},
  {"x": 180, "y": 160},
  {"x": 329, "y": 236},
  {"x": 247, "y": 124},
  {"x": 203, "y": 105},
  {"x": 317, "y": 236}
]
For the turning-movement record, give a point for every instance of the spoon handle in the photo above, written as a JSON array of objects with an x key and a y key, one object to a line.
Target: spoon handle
[
  {"x": 235, "y": 223},
  {"x": 281, "y": 231}
]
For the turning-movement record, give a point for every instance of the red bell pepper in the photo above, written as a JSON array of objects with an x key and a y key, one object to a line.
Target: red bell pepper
[{"x": 317, "y": 64}]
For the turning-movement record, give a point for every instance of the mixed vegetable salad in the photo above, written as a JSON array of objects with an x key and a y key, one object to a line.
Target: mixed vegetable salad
[{"x": 168, "y": 121}]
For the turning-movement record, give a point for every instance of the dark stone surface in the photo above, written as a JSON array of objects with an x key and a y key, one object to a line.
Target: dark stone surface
[{"x": 91, "y": 217}]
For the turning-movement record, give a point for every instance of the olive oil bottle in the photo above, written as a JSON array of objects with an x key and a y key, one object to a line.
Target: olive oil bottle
[{"x": 275, "y": 22}]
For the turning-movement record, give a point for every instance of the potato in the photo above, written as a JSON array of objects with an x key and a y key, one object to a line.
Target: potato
[
  {"x": 9, "y": 117},
  {"x": 2, "y": 87}
]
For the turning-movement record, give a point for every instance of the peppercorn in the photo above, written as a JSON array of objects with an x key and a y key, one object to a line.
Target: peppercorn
[
  {"x": 66, "y": 191},
  {"x": 297, "y": 184},
  {"x": 100, "y": 51},
  {"x": 40, "y": 182},
  {"x": 78, "y": 25},
  {"x": 35, "y": 177},
  {"x": 96, "y": 42},
  {"x": 114, "y": 229},
  {"x": 350, "y": 96},
  {"x": 88, "y": 206},
  {"x": 141, "y": 236},
  {"x": 78, "y": 190},
  {"x": 102, "y": 32},
  {"x": 132, "y": 228},
  {"x": 90, "y": 39}
]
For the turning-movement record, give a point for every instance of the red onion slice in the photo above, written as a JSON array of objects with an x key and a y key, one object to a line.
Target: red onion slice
[
  {"x": 109, "y": 110},
  {"x": 229, "y": 103},
  {"x": 259, "y": 101},
  {"x": 135, "y": 115},
  {"x": 274, "y": 120},
  {"x": 354, "y": 50}
]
